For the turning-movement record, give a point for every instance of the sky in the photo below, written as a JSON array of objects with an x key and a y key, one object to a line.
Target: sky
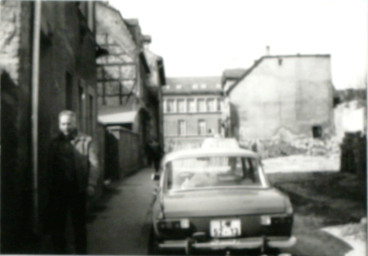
[{"x": 204, "y": 37}]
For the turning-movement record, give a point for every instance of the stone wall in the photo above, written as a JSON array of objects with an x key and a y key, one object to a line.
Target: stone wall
[{"x": 10, "y": 23}]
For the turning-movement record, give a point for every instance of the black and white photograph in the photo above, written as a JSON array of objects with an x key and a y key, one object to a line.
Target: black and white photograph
[{"x": 184, "y": 127}]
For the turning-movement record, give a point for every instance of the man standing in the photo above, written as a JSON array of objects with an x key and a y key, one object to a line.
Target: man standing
[
  {"x": 73, "y": 174},
  {"x": 154, "y": 153}
]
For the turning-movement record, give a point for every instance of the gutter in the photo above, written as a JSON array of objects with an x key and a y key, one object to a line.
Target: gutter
[{"x": 35, "y": 109}]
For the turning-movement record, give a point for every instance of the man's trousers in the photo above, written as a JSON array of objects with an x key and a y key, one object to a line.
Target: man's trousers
[{"x": 75, "y": 205}]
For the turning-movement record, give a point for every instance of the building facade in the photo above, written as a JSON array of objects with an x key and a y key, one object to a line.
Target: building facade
[
  {"x": 48, "y": 64},
  {"x": 192, "y": 111},
  {"x": 292, "y": 95},
  {"x": 129, "y": 88}
]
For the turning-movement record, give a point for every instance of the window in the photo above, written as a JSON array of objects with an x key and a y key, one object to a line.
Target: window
[
  {"x": 81, "y": 97},
  {"x": 213, "y": 172},
  {"x": 90, "y": 115},
  {"x": 219, "y": 105},
  {"x": 116, "y": 81},
  {"x": 202, "y": 127},
  {"x": 181, "y": 106},
  {"x": 170, "y": 106},
  {"x": 219, "y": 126},
  {"x": 191, "y": 105},
  {"x": 181, "y": 128},
  {"x": 317, "y": 131},
  {"x": 68, "y": 91},
  {"x": 211, "y": 105},
  {"x": 164, "y": 106},
  {"x": 201, "y": 105}
]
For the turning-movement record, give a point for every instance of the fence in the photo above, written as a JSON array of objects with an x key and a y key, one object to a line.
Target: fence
[
  {"x": 353, "y": 153},
  {"x": 130, "y": 152},
  {"x": 123, "y": 152}
]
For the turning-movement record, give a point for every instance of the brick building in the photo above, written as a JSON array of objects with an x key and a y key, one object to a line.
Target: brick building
[
  {"x": 192, "y": 110},
  {"x": 48, "y": 63}
]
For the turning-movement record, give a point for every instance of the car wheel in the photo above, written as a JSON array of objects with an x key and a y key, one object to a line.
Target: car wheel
[{"x": 153, "y": 248}]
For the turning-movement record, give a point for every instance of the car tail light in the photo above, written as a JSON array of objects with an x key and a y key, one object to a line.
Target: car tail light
[{"x": 266, "y": 220}]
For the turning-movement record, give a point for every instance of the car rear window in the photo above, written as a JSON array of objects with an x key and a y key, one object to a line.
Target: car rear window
[{"x": 212, "y": 172}]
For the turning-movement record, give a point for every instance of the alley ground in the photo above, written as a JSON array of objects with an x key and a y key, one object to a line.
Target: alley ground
[{"x": 119, "y": 223}]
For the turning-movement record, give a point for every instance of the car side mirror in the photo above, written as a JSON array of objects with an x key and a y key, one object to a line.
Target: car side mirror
[{"x": 155, "y": 177}]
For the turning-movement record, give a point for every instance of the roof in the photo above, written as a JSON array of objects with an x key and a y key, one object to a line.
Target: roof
[
  {"x": 192, "y": 84},
  {"x": 257, "y": 62},
  {"x": 233, "y": 74},
  {"x": 188, "y": 81},
  {"x": 115, "y": 25},
  {"x": 202, "y": 152},
  {"x": 113, "y": 117}
]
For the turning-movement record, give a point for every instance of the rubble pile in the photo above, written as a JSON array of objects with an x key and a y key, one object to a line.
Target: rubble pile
[
  {"x": 354, "y": 234},
  {"x": 318, "y": 147},
  {"x": 287, "y": 144},
  {"x": 356, "y": 230}
]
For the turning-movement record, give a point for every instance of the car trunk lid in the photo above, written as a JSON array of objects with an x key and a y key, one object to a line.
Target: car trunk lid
[{"x": 223, "y": 202}]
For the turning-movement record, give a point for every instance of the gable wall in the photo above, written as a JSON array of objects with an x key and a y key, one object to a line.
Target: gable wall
[{"x": 295, "y": 95}]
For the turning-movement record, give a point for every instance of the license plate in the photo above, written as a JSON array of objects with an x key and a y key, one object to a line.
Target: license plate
[{"x": 225, "y": 228}]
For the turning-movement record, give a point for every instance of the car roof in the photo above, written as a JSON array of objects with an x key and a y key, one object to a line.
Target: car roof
[{"x": 202, "y": 152}]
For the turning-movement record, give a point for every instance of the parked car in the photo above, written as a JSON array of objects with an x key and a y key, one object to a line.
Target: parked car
[{"x": 218, "y": 198}]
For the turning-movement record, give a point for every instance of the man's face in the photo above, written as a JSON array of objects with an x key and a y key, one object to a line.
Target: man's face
[{"x": 67, "y": 124}]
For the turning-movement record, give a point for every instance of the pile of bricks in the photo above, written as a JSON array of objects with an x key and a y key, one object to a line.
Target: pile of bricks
[{"x": 319, "y": 147}]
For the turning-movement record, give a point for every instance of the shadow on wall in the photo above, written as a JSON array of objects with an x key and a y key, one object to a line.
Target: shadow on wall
[
  {"x": 15, "y": 180},
  {"x": 112, "y": 157},
  {"x": 353, "y": 153},
  {"x": 233, "y": 123}
]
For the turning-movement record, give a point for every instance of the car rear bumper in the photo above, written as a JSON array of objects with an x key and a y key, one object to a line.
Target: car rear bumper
[{"x": 239, "y": 243}]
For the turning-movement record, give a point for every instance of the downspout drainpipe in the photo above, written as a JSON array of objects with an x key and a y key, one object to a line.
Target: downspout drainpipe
[{"x": 35, "y": 107}]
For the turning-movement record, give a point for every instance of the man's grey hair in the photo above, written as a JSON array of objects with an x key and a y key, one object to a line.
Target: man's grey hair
[{"x": 68, "y": 113}]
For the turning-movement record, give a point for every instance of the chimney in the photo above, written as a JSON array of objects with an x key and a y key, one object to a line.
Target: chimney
[{"x": 267, "y": 50}]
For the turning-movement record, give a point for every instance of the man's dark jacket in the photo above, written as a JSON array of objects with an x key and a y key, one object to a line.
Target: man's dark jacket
[{"x": 86, "y": 164}]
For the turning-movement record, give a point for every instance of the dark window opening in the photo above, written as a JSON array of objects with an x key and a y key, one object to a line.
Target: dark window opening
[
  {"x": 68, "y": 91},
  {"x": 317, "y": 131},
  {"x": 90, "y": 115},
  {"x": 81, "y": 105}
]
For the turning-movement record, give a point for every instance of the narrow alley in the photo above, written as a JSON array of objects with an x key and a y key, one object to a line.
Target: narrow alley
[
  {"x": 119, "y": 223},
  {"x": 258, "y": 128}
]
